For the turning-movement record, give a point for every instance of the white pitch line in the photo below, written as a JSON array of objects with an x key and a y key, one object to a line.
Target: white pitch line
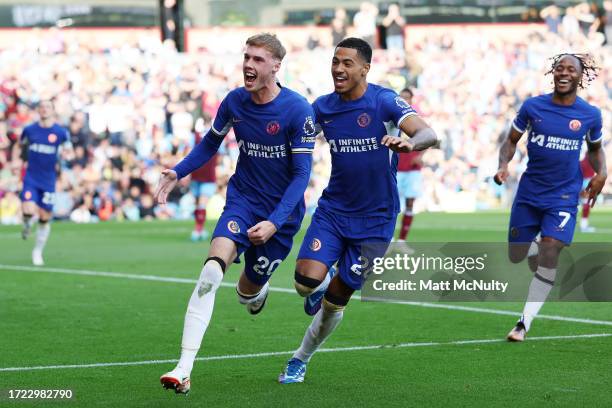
[
  {"x": 323, "y": 350},
  {"x": 156, "y": 278},
  {"x": 500, "y": 312}
]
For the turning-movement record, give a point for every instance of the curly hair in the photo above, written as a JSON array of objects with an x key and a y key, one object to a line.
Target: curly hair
[{"x": 587, "y": 65}]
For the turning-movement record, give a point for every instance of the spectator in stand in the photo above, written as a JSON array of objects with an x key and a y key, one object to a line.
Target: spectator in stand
[
  {"x": 586, "y": 18},
  {"x": 10, "y": 209},
  {"x": 607, "y": 18},
  {"x": 147, "y": 211},
  {"x": 552, "y": 17},
  {"x": 365, "y": 23},
  {"x": 79, "y": 136},
  {"x": 569, "y": 24},
  {"x": 339, "y": 25},
  {"x": 394, "y": 28},
  {"x": 143, "y": 85}
]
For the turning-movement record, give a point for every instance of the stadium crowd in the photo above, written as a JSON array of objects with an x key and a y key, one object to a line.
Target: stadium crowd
[{"x": 133, "y": 109}]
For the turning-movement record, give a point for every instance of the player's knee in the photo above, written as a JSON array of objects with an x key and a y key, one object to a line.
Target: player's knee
[
  {"x": 549, "y": 252},
  {"x": 305, "y": 285},
  {"x": 211, "y": 275},
  {"x": 517, "y": 252},
  {"x": 333, "y": 304},
  {"x": 516, "y": 257}
]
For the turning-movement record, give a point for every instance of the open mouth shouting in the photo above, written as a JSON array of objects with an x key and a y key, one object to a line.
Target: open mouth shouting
[
  {"x": 249, "y": 79},
  {"x": 340, "y": 80}
]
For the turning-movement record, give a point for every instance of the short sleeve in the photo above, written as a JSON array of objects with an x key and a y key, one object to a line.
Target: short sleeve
[
  {"x": 394, "y": 109},
  {"x": 594, "y": 135},
  {"x": 303, "y": 129},
  {"x": 522, "y": 122}
]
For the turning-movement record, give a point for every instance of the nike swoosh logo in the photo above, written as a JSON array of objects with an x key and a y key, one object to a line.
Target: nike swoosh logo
[
  {"x": 328, "y": 121},
  {"x": 236, "y": 120}
]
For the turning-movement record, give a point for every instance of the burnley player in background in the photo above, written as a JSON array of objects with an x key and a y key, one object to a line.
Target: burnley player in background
[
  {"x": 203, "y": 184},
  {"x": 264, "y": 208},
  {"x": 41, "y": 143},
  {"x": 409, "y": 180},
  {"x": 361, "y": 202},
  {"x": 547, "y": 196}
]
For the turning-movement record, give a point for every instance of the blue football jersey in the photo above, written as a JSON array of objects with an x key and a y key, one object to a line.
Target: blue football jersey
[
  {"x": 556, "y": 133},
  {"x": 267, "y": 135},
  {"x": 363, "y": 177},
  {"x": 43, "y": 144}
]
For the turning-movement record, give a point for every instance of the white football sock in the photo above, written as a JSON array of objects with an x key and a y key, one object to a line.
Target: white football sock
[
  {"x": 533, "y": 248},
  {"x": 539, "y": 289},
  {"x": 584, "y": 223},
  {"x": 199, "y": 311},
  {"x": 322, "y": 326},
  {"x": 42, "y": 234}
]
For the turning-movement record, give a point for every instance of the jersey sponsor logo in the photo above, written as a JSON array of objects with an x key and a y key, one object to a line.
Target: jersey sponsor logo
[
  {"x": 555, "y": 142},
  {"x": 353, "y": 145},
  {"x": 538, "y": 139},
  {"x": 309, "y": 126},
  {"x": 42, "y": 148},
  {"x": 263, "y": 151},
  {"x": 52, "y": 138},
  {"x": 273, "y": 127},
  {"x": 233, "y": 227},
  {"x": 315, "y": 245},
  {"x": 575, "y": 125},
  {"x": 364, "y": 120}
]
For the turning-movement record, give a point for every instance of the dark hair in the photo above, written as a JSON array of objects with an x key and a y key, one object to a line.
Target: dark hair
[
  {"x": 407, "y": 90},
  {"x": 363, "y": 48},
  {"x": 587, "y": 65}
]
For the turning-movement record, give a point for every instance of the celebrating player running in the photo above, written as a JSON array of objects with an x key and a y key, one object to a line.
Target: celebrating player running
[
  {"x": 265, "y": 206},
  {"x": 361, "y": 203},
  {"x": 547, "y": 196}
]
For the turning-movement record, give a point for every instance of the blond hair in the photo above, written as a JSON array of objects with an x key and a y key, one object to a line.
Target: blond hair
[{"x": 269, "y": 42}]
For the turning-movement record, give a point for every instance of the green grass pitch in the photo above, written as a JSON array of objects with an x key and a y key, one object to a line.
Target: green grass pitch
[{"x": 66, "y": 318}]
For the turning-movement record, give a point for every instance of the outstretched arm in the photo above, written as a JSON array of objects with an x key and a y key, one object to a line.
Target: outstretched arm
[
  {"x": 506, "y": 153},
  {"x": 420, "y": 134},
  {"x": 200, "y": 154},
  {"x": 597, "y": 159}
]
